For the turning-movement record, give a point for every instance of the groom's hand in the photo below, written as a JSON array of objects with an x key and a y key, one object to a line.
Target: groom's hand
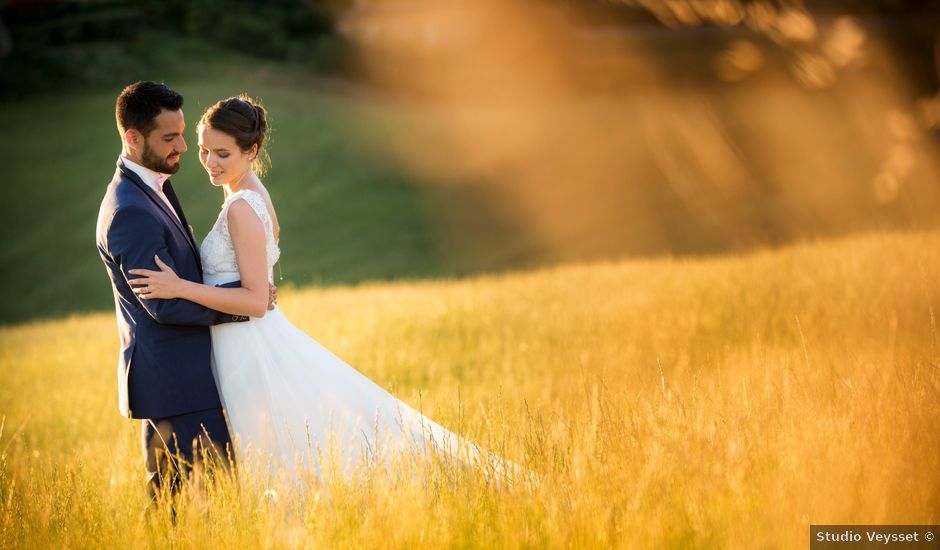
[{"x": 272, "y": 296}]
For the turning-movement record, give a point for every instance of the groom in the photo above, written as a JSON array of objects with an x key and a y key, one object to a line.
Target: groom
[{"x": 164, "y": 376}]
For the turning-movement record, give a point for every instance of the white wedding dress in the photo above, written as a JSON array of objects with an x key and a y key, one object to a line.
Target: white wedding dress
[{"x": 291, "y": 403}]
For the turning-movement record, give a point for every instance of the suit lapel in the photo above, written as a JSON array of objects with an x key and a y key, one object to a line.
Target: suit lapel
[
  {"x": 152, "y": 195},
  {"x": 171, "y": 195}
]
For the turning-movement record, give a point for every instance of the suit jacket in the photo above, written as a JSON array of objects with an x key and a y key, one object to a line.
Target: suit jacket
[{"x": 164, "y": 362}]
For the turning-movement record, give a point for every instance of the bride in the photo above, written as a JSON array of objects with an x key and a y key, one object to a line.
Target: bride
[{"x": 290, "y": 402}]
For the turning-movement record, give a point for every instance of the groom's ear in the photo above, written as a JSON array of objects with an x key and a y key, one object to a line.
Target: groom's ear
[{"x": 133, "y": 138}]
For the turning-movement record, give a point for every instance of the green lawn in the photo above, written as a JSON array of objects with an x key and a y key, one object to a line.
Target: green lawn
[{"x": 347, "y": 213}]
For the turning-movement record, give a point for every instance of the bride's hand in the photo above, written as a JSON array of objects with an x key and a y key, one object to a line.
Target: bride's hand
[{"x": 162, "y": 284}]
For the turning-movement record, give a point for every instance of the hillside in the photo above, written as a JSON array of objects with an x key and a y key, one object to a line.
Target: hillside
[
  {"x": 370, "y": 186},
  {"x": 347, "y": 215}
]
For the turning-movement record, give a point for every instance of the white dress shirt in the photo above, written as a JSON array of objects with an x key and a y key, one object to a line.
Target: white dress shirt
[{"x": 154, "y": 180}]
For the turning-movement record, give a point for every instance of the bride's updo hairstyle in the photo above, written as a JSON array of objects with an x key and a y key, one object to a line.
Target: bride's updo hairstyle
[{"x": 246, "y": 120}]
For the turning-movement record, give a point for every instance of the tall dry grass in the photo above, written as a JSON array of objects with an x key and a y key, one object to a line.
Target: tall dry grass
[{"x": 721, "y": 402}]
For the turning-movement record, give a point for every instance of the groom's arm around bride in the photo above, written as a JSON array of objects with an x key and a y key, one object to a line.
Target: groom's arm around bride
[{"x": 133, "y": 239}]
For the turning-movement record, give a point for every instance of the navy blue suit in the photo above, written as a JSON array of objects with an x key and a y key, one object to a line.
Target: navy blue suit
[{"x": 164, "y": 363}]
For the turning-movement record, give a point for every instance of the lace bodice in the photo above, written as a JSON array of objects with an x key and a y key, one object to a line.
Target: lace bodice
[{"x": 217, "y": 251}]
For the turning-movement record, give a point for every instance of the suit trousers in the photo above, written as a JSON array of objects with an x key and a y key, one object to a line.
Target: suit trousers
[{"x": 174, "y": 445}]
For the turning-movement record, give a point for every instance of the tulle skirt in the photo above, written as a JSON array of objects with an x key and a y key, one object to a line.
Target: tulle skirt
[{"x": 295, "y": 407}]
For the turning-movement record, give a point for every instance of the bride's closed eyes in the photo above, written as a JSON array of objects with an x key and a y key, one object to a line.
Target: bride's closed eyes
[{"x": 222, "y": 153}]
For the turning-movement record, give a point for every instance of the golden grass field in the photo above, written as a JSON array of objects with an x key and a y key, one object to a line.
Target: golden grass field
[{"x": 724, "y": 402}]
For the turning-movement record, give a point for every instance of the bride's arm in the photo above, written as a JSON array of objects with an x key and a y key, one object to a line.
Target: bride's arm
[{"x": 249, "y": 242}]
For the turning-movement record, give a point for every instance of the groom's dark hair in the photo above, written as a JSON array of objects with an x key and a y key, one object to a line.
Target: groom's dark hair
[{"x": 141, "y": 102}]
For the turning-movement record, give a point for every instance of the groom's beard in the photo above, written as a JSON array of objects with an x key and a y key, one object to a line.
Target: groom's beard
[{"x": 152, "y": 161}]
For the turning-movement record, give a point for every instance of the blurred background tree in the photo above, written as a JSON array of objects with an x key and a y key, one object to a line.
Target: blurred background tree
[
  {"x": 45, "y": 44},
  {"x": 50, "y": 44}
]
